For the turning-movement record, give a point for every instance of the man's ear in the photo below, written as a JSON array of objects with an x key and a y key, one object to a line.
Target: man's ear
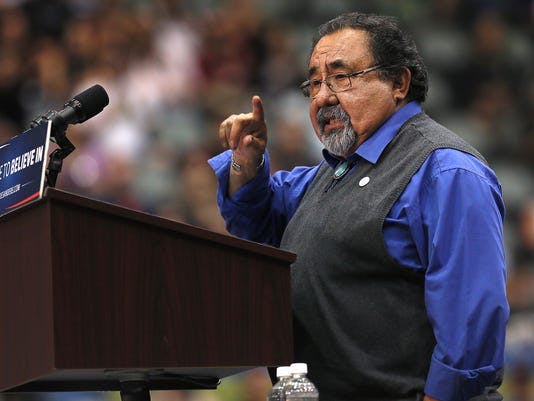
[{"x": 401, "y": 85}]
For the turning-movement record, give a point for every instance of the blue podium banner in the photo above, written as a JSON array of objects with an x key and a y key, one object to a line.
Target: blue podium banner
[{"x": 22, "y": 168}]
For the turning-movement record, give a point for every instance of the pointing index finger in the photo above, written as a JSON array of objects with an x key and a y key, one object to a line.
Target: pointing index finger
[{"x": 257, "y": 109}]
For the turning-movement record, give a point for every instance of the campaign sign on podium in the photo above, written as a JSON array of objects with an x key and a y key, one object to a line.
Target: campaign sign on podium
[{"x": 22, "y": 168}]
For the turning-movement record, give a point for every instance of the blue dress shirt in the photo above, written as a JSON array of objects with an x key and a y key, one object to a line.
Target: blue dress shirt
[{"x": 448, "y": 223}]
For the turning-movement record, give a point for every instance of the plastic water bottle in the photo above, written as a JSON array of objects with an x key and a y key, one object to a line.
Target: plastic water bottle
[
  {"x": 300, "y": 388},
  {"x": 277, "y": 393}
]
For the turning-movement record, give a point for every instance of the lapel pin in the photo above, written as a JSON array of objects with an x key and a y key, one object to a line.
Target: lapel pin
[{"x": 364, "y": 181}]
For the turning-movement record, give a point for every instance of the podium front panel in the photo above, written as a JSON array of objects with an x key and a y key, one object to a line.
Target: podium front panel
[{"x": 92, "y": 287}]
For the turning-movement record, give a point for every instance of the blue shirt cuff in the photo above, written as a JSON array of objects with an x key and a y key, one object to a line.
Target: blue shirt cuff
[
  {"x": 221, "y": 166},
  {"x": 446, "y": 383},
  {"x": 247, "y": 203}
]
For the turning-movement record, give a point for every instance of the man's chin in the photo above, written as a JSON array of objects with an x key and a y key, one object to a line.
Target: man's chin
[
  {"x": 329, "y": 135},
  {"x": 334, "y": 150},
  {"x": 334, "y": 146}
]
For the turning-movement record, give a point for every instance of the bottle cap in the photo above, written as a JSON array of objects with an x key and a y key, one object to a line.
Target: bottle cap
[
  {"x": 299, "y": 368},
  {"x": 283, "y": 371}
]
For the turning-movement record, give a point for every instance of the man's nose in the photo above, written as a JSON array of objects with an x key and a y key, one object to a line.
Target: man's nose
[{"x": 325, "y": 97}]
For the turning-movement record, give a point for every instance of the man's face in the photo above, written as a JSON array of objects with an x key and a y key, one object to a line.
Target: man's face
[{"x": 342, "y": 121}]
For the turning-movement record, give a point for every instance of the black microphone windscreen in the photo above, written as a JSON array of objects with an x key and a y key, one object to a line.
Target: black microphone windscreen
[{"x": 93, "y": 100}]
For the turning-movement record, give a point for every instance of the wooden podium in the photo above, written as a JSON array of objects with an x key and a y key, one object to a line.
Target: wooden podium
[{"x": 99, "y": 297}]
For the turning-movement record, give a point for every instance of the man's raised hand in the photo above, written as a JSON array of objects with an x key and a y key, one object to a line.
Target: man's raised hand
[{"x": 246, "y": 134}]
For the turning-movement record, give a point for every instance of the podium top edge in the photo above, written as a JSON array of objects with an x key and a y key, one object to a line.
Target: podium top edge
[{"x": 54, "y": 194}]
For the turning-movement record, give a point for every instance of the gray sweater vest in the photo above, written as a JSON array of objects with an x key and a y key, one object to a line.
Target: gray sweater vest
[{"x": 360, "y": 320}]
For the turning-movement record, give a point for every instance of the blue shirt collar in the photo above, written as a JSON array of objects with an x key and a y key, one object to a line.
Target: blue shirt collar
[{"x": 372, "y": 147}]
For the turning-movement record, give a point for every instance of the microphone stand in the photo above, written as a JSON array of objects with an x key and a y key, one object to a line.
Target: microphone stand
[{"x": 58, "y": 135}]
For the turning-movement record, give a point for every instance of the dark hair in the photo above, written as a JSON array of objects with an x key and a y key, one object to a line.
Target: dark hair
[{"x": 390, "y": 46}]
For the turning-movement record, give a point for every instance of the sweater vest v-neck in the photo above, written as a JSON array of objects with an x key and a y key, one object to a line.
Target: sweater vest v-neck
[{"x": 360, "y": 320}]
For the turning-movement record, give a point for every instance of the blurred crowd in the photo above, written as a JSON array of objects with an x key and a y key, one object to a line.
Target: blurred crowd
[{"x": 175, "y": 69}]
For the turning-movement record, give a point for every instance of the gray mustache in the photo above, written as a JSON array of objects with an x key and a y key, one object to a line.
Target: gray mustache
[{"x": 327, "y": 113}]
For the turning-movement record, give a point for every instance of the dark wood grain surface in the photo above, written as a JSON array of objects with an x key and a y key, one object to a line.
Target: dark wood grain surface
[{"x": 90, "y": 286}]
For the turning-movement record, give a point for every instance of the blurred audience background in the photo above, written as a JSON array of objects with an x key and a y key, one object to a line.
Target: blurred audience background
[{"x": 175, "y": 69}]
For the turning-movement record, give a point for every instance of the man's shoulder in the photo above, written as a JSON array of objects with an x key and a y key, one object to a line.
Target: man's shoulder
[
  {"x": 432, "y": 130},
  {"x": 446, "y": 161},
  {"x": 438, "y": 136}
]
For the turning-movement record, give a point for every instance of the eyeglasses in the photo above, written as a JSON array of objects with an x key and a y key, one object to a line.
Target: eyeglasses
[{"x": 336, "y": 82}]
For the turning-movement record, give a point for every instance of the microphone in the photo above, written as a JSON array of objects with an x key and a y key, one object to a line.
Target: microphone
[{"x": 80, "y": 108}]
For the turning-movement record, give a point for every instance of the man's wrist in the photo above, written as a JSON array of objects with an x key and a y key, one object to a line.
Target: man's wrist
[
  {"x": 238, "y": 167},
  {"x": 243, "y": 172}
]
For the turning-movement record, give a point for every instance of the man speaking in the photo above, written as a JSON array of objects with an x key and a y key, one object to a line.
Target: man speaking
[{"x": 399, "y": 284}]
